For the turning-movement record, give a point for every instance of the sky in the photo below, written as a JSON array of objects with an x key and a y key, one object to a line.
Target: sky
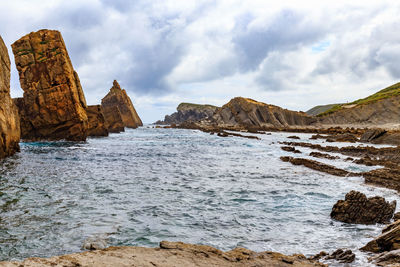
[{"x": 294, "y": 54}]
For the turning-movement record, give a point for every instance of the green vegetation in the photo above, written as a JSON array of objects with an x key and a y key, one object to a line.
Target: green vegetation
[
  {"x": 194, "y": 106},
  {"x": 388, "y": 92},
  {"x": 315, "y": 111}
]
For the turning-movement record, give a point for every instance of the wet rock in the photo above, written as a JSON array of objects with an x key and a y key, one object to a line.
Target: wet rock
[
  {"x": 53, "y": 105},
  {"x": 372, "y": 134},
  {"x": 390, "y": 258},
  {"x": 357, "y": 208},
  {"x": 113, "y": 119},
  {"x": 396, "y": 216},
  {"x": 323, "y": 155},
  {"x": 389, "y": 240},
  {"x": 118, "y": 97},
  {"x": 340, "y": 255},
  {"x": 97, "y": 123},
  {"x": 9, "y": 119},
  {"x": 293, "y": 137},
  {"x": 290, "y": 149},
  {"x": 318, "y": 166}
]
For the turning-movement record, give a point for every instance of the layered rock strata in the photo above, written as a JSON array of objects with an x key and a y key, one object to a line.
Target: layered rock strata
[
  {"x": 97, "y": 123},
  {"x": 113, "y": 119},
  {"x": 118, "y": 97},
  {"x": 168, "y": 255},
  {"x": 9, "y": 120},
  {"x": 188, "y": 112},
  {"x": 357, "y": 208},
  {"x": 53, "y": 106}
]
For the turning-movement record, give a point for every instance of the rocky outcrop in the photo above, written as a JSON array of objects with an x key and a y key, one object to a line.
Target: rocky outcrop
[
  {"x": 118, "y": 97},
  {"x": 340, "y": 255},
  {"x": 113, "y": 119},
  {"x": 188, "y": 112},
  {"x": 252, "y": 114},
  {"x": 357, "y": 208},
  {"x": 389, "y": 240},
  {"x": 53, "y": 106},
  {"x": 170, "y": 254},
  {"x": 96, "y": 121},
  {"x": 9, "y": 120}
]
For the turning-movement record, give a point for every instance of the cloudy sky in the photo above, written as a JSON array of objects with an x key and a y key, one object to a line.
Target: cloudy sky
[{"x": 295, "y": 54}]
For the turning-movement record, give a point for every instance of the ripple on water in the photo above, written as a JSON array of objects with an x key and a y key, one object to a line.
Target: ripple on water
[{"x": 147, "y": 185}]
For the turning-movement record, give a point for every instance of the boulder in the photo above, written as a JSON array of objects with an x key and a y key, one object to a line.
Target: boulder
[
  {"x": 113, "y": 119},
  {"x": 97, "y": 123},
  {"x": 53, "y": 105},
  {"x": 9, "y": 120},
  {"x": 118, "y": 97},
  {"x": 389, "y": 240},
  {"x": 357, "y": 208}
]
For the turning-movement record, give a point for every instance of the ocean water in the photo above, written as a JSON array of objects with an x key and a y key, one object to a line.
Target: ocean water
[{"x": 147, "y": 185}]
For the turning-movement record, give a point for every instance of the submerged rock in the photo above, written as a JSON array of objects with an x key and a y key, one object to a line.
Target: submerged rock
[
  {"x": 118, "y": 97},
  {"x": 357, "y": 208},
  {"x": 97, "y": 123},
  {"x": 9, "y": 120},
  {"x": 53, "y": 106}
]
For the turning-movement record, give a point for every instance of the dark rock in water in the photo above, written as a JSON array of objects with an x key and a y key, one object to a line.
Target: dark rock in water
[
  {"x": 113, "y": 119},
  {"x": 118, "y": 97},
  {"x": 290, "y": 149},
  {"x": 396, "y": 216},
  {"x": 250, "y": 113},
  {"x": 323, "y": 155},
  {"x": 372, "y": 134},
  {"x": 293, "y": 137},
  {"x": 189, "y": 112},
  {"x": 347, "y": 137},
  {"x": 97, "y": 123},
  {"x": 340, "y": 255},
  {"x": 53, "y": 106},
  {"x": 390, "y": 258},
  {"x": 9, "y": 119},
  {"x": 357, "y": 208}
]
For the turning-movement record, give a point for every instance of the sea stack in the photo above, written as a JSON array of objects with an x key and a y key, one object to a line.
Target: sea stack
[
  {"x": 53, "y": 106},
  {"x": 118, "y": 97},
  {"x": 97, "y": 124},
  {"x": 9, "y": 120}
]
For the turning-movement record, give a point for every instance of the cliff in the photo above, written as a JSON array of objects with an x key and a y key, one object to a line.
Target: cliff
[
  {"x": 96, "y": 121},
  {"x": 113, "y": 119},
  {"x": 380, "y": 108},
  {"x": 189, "y": 112},
  {"x": 118, "y": 97},
  {"x": 53, "y": 105},
  {"x": 250, "y": 113},
  {"x": 9, "y": 120}
]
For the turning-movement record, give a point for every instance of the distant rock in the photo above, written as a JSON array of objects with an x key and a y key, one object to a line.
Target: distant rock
[
  {"x": 253, "y": 114},
  {"x": 97, "y": 123},
  {"x": 372, "y": 134},
  {"x": 53, "y": 106},
  {"x": 113, "y": 119},
  {"x": 9, "y": 120},
  {"x": 357, "y": 208},
  {"x": 118, "y": 97},
  {"x": 188, "y": 112}
]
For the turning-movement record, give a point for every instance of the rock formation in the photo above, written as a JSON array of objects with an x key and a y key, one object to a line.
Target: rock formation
[
  {"x": 53, "y": 106},
  {"x": 9, "y": 120},
  {"x": 113, "y": 119},
  {"x": 171, "y": 254},
  {"x": 188, "y": 112},
  {"x": 250, "y": 113},
  {"x": 389, "y": 240},
  {"x": 357, "y": 208},
  {"x": 118, "y": 97},
  {"x": 96, "y": 121}
]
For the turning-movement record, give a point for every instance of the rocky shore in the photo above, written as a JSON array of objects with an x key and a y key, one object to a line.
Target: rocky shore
[{"x": 170, "y": 254}]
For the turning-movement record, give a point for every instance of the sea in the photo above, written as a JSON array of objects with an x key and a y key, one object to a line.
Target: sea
[{"x": 146, "y": 185}]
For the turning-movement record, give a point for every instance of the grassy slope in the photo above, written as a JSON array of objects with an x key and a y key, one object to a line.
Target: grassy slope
[
  {"x": 320, "y": 109},
  {"x": 390, "y": 91},
  {"x": 194, "y": 106}
]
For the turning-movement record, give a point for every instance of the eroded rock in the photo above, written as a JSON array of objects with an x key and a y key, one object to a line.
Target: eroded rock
[
  {"x": 118, "y": 97},
  {"x": 53, "y": 106},
  {"x": 97, "y": 123},
  {"x": 9, "y": 119},
  {"x": 189, "y": 112},
  {"x": 389, "y": 240},
  {"x": 357, "y": 208},
  {"x": 113, "y": 119}
]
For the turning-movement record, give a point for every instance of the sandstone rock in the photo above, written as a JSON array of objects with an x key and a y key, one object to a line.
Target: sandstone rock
[
  {"x": 340, "y": 255},
  {"x": 290, "y": 149},
  {"x": 323, "y": 155},
  {"x": 390, "y": 258},
  {"x": 95, "y": 242},
  {"x": 396, "y": 216},
  {"x": 357, "y": 208},
  {"x": 9, "y": 119},
  {"x": 118, "y": 97},
  {"x": 389, "y": 240},
  {"x": 97, "y": 124},
  {"x": 189, "y": 112},
  {"x": 53, "y": 106},
  {"x": 113, "y": 119},
  {"x": 372, "y": 134},
  {"x": 250, "y": 113},
  {"x": 347, "y": 137}
]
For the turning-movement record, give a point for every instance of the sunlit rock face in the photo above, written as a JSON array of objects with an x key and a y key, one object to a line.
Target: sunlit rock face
[
  {"x": 9, "y": 121},
  {"x": 53, "y": 105}
]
